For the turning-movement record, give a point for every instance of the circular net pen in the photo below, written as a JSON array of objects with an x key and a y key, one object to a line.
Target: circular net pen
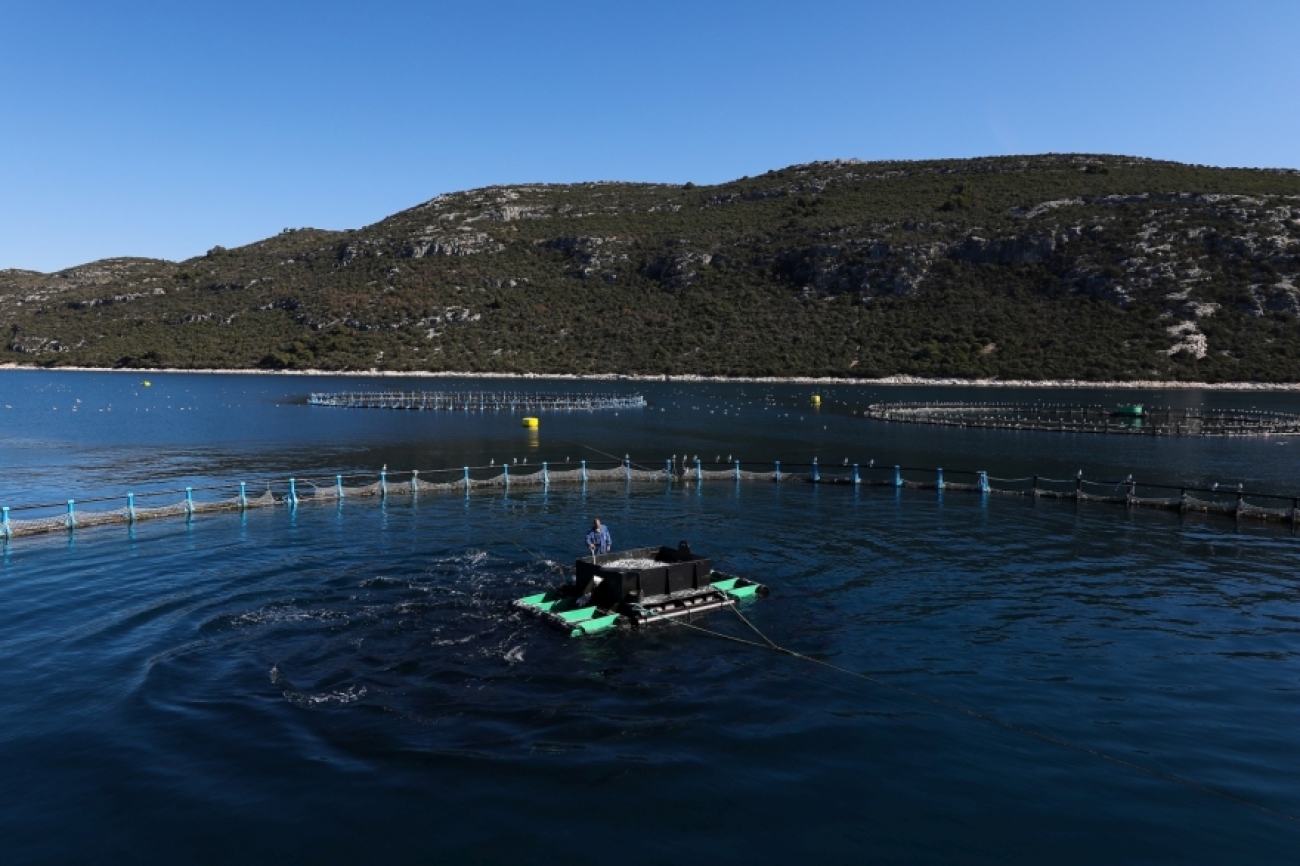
[
  {"x": 1125, "y": 419},
  {"x": 475, "y": 401}
]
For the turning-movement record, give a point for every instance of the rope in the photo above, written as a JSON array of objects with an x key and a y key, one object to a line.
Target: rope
[
  {"x": 619, "y": 460},
  {"x": 735, "y": 608},
  {"x": 729, "y": 637},
  {"x": 985, "y": 717},
  {"x": 546, "y": 562}
]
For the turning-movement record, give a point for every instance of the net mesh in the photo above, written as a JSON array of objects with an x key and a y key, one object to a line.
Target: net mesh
[
  {"x": 598, "y": 475},
  {"x": 362, "y": 490},
  {"x": 1127, "y": 419},
  {"x": 96, "y": 518},
  {"x": 174, "y": 510},
  {"x": 423, "y": 486},
  {"x": 1259, "y": 512},
  {"x": 219, "y": 505},
  {"x": 1103, "y": 497},
  {"x": 1191, "y": 503},
  {"x": 308, "y": 491},
  {"x": 38, "y": 524},
  {"x": 1155, "y": 502},
  {"x": 732, "y": 474}
]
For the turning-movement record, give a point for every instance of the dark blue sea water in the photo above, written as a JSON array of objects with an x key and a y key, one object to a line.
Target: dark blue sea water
[{"x": 350, "y": 684}]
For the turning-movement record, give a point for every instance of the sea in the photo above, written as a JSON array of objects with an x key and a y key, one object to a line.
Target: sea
[{"x": 970, "y": 678}]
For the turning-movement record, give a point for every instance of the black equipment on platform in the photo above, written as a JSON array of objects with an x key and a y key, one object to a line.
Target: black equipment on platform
[{"x": 676, "y": 570}]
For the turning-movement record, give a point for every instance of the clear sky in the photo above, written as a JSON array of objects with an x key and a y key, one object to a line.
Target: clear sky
[{"x": 165, "y": 128}]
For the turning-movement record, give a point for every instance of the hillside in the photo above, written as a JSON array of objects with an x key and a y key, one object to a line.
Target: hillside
[{"x": 1028, "y": 267}]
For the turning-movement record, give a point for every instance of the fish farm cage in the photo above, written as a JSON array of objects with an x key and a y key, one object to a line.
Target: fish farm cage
[
  {"x": 475, "y": 401},
  {"x": 1231, "y": 501},
  {"x": 1127, "y": 419}
]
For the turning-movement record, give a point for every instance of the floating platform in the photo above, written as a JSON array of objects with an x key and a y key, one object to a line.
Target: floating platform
[{"x": 637, "y": 588}]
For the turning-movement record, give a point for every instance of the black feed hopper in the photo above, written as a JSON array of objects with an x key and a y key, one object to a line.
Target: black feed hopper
[{"x": 677, "y": 570}]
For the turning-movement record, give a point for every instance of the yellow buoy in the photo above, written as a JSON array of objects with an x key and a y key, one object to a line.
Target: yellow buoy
[
  {"x": 816, "y": 399},
  {"x": 147, "y": 383},
  {"x": 531, "y": 423}
]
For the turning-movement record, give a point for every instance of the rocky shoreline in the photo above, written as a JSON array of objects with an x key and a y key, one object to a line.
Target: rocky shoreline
[{"x": 887, "y": 381}]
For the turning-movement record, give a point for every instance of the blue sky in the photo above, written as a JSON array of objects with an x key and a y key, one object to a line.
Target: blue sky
[{"x": 163, "y": 129}]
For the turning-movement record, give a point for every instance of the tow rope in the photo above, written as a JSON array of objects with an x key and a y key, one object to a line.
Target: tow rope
[{"x": 977, "y": 714}]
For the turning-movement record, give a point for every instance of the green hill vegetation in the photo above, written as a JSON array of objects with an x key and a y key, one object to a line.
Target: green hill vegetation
[{"x": 1060, "y": 266}]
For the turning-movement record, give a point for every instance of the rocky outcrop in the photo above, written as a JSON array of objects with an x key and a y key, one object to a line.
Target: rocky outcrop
[
  {"x": 468, "y": 244},
  {"x": 509, "y": 213},
  {"x": 1281, "y": 297},
  {"x": 1040, "y": 209},
  {"x": 30, "y": 344},
  {"x": 590, "y": 256},
  {"x": 866, "y": 267},
  {"x": 1190, "y": 340},
  {"x": 677, "y": 270},
  {"x": 434, "y": 325},
  {"x": 1017, "y": 250},
  {"x": 583, "y": 249}
]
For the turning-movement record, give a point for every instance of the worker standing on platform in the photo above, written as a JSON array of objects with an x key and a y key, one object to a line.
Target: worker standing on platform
[{"x": 598, "y": 539}]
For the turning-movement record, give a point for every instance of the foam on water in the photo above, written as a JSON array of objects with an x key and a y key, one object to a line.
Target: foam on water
[{"x": 350, "y": 695}]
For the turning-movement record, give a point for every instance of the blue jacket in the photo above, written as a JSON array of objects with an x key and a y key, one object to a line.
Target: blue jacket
[{"x": 599, "y": 538}]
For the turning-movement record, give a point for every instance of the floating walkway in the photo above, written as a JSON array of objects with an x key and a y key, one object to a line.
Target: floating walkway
[
  {"x": 1064, "y": 418},
  {"x": 1232, "y": 502},
  {"x": 476, "y": 401}
]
